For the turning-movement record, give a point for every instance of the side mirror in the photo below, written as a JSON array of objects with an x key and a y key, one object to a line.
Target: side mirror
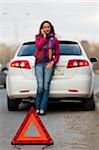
[
  {"x": 0, "y": 67},
  {"x": 93, "y": 59}
]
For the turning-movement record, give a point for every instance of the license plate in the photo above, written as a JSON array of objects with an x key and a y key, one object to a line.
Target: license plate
[{"x": 58, "y": 71}]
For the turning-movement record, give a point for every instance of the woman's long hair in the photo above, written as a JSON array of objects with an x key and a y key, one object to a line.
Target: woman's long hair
[{"x": 52, "y": 28}]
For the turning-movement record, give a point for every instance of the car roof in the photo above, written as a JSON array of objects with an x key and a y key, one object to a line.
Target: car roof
[{"x": 60, "y": 41}]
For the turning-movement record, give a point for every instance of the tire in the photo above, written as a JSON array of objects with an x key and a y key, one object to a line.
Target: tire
[
  {"x": 89, "y": 104},
  {"x": 12, "y": 104},
  {"x": 5, "y": 86}
]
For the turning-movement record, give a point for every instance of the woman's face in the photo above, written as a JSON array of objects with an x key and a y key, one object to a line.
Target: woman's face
[{"x": 47, "y": 28}]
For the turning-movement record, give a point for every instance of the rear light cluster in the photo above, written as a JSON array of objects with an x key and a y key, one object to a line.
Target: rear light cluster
[
  {"x": 20, "y": 64},
  {"x": 77, "y": 63}
]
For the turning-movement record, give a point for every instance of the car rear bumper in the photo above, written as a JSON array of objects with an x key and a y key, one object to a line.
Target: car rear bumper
[{"x": 18, "y": 87}]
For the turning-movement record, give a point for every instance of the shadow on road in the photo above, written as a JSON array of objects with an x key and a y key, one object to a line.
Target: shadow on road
[{"x": 56, "y": 106}]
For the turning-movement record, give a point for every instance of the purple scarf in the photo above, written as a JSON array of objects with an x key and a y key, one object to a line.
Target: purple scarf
[
  {"x": 51, "y": 43},
  {"x": 50, "y": 46}
]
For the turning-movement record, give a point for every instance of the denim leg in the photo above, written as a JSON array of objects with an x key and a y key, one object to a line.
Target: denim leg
[
  {"x": 39, "y": 77},
  {"x": 47, "y": 80}
]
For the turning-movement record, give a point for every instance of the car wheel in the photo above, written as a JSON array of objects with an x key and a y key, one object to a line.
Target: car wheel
[
  {"x": 12, "y": 104},
  {"x": 5, "y": 86},
  {"x": 89, "y": 104}
]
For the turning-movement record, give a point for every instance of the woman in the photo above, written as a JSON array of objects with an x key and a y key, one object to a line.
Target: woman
[{"x": 47, "y": 55}]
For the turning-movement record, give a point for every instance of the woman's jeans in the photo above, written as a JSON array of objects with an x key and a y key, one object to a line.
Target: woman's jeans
[{"x": 43, "y": 76}]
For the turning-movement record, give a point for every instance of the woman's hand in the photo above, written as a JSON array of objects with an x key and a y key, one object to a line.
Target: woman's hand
[
  {"x": 50, "y": 64},
  {"x": 43, "y": 33}
]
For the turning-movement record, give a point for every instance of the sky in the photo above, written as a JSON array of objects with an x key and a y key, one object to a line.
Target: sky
[{"x": 20, "y": 20}]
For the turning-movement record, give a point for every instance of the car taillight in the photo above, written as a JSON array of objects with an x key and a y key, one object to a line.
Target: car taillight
[
  {"x": 20, "y": 64},
  {"x": 77, "y": 63}
]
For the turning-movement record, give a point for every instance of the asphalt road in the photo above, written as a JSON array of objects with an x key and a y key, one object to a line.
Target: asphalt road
[{"x": 70, "y": 127}]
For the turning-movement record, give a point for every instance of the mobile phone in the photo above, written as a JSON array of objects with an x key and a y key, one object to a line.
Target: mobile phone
[{"x": 47, "y": 35}]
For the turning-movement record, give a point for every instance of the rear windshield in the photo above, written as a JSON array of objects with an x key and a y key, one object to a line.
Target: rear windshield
[
  {"x": 27, "y": 50},
  {"x": 65, "y": 49},
  {"x": 70, "y": 49}
]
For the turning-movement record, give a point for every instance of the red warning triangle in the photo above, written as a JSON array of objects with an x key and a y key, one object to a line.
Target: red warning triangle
[{"x": 43, "y": 137}]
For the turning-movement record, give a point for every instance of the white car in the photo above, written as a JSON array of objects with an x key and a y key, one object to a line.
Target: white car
[{"x": 73, "y": 76}]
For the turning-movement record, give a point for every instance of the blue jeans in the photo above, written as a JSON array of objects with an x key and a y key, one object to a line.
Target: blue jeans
[{"x": 43, "y": 77}]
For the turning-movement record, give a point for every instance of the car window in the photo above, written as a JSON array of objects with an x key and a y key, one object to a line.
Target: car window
[
  {"x": 27, "y": 50},
  {"x": 70, "y": 49},
  {"x": 65, "y": 49}
]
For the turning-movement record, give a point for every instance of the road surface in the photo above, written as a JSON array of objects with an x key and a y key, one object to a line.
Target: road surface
[{"x": 70, "y": 127}]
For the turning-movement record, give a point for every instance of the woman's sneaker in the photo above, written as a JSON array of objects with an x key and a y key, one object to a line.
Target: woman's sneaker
[
  {"x": 42, "y": 112},
  {"x": 37, "y": 111}
]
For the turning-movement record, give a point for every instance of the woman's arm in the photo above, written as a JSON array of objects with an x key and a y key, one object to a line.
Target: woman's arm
[{"x": 40, "y": 42}]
